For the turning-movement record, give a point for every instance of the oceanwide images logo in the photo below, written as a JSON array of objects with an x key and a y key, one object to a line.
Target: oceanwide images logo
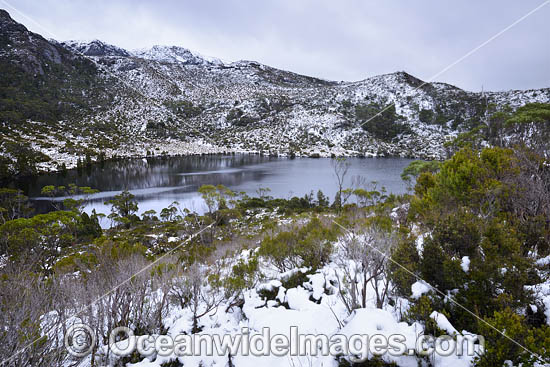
[{"x": 80, "y": 341}]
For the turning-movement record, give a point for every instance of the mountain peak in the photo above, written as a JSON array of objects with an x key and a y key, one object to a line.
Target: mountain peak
[
  {"x": 8, "y": 24},
  {"x": 5, "y": 16},
  {"x": 95, "y": 48},
  {"x": 175, "y": 54}
]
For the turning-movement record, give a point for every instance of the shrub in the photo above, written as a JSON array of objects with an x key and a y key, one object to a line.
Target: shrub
[
  {"x": 308, "y": 246},
  {"x": 382, "y": 122},
  {"x": 123, "y": 208},
  {"x": 500, "y": 348},
  {"x": 297, "y": 278},
  {"x": 426, "y": 116},
  {"x": 406, "y": 255}
]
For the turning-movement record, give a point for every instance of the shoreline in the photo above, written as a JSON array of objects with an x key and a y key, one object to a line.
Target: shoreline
[{"x": 181, "y": 149}]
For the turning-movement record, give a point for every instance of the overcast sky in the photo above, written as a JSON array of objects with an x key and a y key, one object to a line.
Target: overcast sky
[{"x": 337, "y": 40}]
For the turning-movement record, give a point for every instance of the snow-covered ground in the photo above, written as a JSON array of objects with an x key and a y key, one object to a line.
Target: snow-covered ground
[{"x": 312, "y": 308}]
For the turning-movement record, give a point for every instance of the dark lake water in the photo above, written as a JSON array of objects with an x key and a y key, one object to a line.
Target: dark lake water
[{"x": 157, "y": 182}]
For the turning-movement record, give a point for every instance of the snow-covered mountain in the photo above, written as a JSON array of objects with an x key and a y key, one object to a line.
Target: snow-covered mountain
[
  {"x": 249, "y": 106},
  {"x": 95, "y": 48},
  {"x": 175, "y": 54},
  {"x": 170, "y": 100}
]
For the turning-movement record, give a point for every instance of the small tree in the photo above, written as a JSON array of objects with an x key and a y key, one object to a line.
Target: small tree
[
  {"x": 41, "y": 237},
  {"x": 308, "y": 246},
  {"x": 340, "y": 167},
  {"x": 415, "y": 168},
  {"x": 149, "y": 216},
  {"x": 263, "y": 193},
  {"x": 244, "y": 275},
  {"x": 199, "y": 289},
  {"x": 362, "y": 260},
  {"x": 170, "y": 213},
  {"x": 24, "y": 299},
  {"x": 79, "y": 196},
  {"x": 322, "y": 200},
  {"x": 216, "y": 197},
  {"x": 13, "y": 204},
  {"x": 123, "y": 208}
]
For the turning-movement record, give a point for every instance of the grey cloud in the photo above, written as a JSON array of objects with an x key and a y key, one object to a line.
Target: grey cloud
[{"x": 338, "y": 40}]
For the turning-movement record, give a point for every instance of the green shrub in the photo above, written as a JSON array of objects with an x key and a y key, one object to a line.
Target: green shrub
[
  {"x": 500, "y": 348},
  {"x": 382, "y": 122},
  {"x": 426, "y": 116},
  {"x": 406, "y": 255},
  {"x": 297, "y": 278},
  {"x": 308, "y": 246}
]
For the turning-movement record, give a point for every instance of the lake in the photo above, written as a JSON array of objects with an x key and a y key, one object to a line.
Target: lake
[{"x": 157, "y": 182}]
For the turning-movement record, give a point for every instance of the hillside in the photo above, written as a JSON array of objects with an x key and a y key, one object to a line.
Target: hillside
[
  {"x": 464, "y": 260},
  {"x": 65, "y": 101},
  {"x": 180, "y": 262}
]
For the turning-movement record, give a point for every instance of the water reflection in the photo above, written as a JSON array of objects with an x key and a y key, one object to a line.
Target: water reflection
[{"x": 157, "y": 182}]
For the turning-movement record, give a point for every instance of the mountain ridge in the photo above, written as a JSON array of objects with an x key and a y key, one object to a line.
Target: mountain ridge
[
  {"x": 148, "y": 51},
  {"x": 171, "y": 100}
]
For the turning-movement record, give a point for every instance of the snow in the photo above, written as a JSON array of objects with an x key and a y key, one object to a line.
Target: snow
[
  {"x": 313, "y": 308},
  {"x": 317, "y": 281},
  {"x": 302, "y": 313},
  {"x": 419, "y": 242},
  {"x": 271, "y": 285},
  {"x": 465, "y": 264},
  {"x": 312, "y": 124},
  {"x": 375, "y": 321},
  {"x": 543, "y": 261},
  {"x": 419, "y": 288},
  {"x": 281, "y": 295},
  {"x": 542, "y": 293},
  {"x": 443, "y": 323},
  {"x": 175, "y": 54},
  {"x": 94, "y": 48}
]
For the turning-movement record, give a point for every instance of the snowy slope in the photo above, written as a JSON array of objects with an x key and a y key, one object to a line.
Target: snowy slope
[
  {"x": 171, "y": 100},
  {"x": 174, "y": 54}
]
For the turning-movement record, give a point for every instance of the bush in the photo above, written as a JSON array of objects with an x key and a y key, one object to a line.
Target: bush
[
  {"x": 406, "y": 255},
  {"x": 287, "y": 206},
  {"x": 382, "y": 122},
  {"x": 308, "y": 246},
  {"x": 500, "y": 348},
  {"x": 420, "y": 311},
  {"x": 123, "y": 208},
  {"x": 416, "y": 168},
  {"x": 40, "y": 238},
  {"x": 426, "y": 116},
  {"x": 297, "y": 278}
]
